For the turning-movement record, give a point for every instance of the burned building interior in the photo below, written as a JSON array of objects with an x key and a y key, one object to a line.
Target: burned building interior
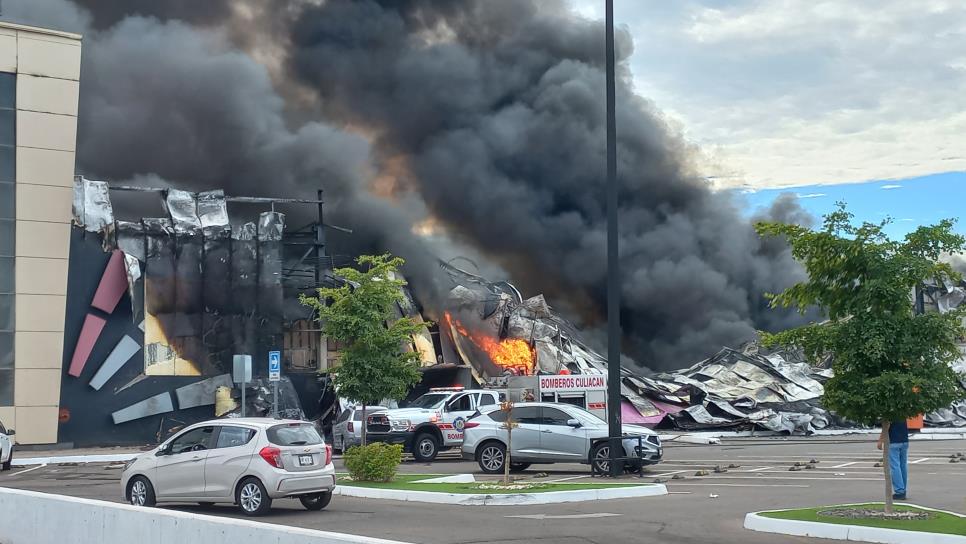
[{"x": 157, "y": 308}]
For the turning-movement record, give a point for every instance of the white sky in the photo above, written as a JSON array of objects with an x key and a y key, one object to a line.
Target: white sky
[{"x": 802, "y": 92}]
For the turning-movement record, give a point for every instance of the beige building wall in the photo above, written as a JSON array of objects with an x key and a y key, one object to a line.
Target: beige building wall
[{"x": 47, "y": 64}]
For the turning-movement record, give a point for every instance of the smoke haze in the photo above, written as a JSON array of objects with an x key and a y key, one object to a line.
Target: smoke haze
[{"x": 482, "y": 119}]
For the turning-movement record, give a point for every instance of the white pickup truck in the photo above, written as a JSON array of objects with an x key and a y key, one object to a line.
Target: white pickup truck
[{"x": 431, "y": 423}]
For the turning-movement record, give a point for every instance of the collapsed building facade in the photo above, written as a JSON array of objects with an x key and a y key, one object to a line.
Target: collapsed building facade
[
  {"x": 157, "y": 308},
  {"x": 496, "y": 331}
]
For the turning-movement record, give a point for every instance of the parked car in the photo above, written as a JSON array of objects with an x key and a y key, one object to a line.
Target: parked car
[
  {"x": 551, "y": 433},
  {"x": 6, "y": 447},
  {"x": 347, "y": 431},
  {"x": 248, "y": 462}
]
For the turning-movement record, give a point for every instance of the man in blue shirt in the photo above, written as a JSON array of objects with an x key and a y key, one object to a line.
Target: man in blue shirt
[{"x": 898, "y": 457}]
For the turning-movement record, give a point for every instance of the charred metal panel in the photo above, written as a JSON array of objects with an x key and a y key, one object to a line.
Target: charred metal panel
[
  {"x": 244, "y": 283},
  {"x": 216, "y": 273},
  {"x": 270, "y": 227},
  {"x": 131, "y": 239},
  {"x": 160, "y": 292},
  {"x": 201, "y": 393},
  {"x": 92, "y": 205}
]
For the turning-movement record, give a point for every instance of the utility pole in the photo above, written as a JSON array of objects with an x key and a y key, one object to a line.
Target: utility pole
[
  {"x": 613, "y": 263},
  {"x": 319, "y": 242}
]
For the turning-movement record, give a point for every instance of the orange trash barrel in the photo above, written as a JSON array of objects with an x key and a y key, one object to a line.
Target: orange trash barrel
[{"x": 915, "y": 423}]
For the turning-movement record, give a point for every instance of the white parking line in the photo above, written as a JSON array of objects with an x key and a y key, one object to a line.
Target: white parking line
[
  {"x": 760, "y": 476},
  {"x": 843, "y": 465},
  {"x": 28, "y": 470},
  {"x": 739, "y": 485},
  {"x": 570, "y": 478},
  {"x": 917, "y": 461},
  {"x": 667, "y": 474},
  {"x": 759, "y": 469}
]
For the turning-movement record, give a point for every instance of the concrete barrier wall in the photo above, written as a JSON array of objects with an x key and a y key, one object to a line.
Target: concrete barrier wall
[{"x": 28, "y": 517}]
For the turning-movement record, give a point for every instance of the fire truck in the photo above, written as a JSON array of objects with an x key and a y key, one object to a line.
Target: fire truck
[
  {"x": 431, "y": 423},
  {"x": 587, "y": 391},
  {"x": 434, "y": 422}
]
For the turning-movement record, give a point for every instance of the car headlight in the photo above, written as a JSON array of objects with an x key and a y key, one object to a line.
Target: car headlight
[{"x": 129, "y": 462}]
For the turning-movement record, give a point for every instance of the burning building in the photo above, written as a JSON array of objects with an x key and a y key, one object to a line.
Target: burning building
[{"x": 156, "y": 309}]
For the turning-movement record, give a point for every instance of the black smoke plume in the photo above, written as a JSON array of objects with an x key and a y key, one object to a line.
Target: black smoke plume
[
  {"x": 497, "y": 110},
  {"x": 486, "y": 116}
]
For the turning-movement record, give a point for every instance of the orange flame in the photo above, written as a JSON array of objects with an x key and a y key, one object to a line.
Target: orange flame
[{"x": 510, "y": 353}]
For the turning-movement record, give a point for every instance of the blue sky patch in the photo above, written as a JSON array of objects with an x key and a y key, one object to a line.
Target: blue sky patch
[{"x": 909, "y": 202}]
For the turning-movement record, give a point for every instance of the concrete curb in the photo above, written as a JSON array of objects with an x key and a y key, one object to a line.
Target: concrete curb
[
  {"x": 103, "y": 458},
  {"x": 930, "y": 433},
  {"x": 503, "y": 499},
  {"x": 856, "y": 533},
  {"x": 29, "y": 517}
]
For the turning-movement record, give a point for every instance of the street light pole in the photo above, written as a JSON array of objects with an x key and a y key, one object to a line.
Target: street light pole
[{"x": 613, "y": 270}]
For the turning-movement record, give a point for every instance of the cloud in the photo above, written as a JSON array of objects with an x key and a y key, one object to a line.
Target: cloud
[
  {"x": 811, "y": 195},
  {"x": 776, "y": 103},
  {"x": 888, "y": 187}
]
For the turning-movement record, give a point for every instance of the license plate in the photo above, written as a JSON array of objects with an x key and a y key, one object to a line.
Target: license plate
[{"x": 305, "y": 460}]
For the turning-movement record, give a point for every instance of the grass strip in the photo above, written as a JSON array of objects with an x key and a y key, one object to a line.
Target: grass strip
[
  {"x": 940, "y": 522},
  {"x": 407, "y": 482}
]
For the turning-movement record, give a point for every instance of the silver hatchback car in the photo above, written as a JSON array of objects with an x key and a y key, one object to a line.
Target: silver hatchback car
[
  {"x": 551, "y": 433},
  {"x": 248, "y": 462}
]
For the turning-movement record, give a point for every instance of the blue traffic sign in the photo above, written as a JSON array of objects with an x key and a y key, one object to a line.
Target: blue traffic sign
[{"x": 274, "y": 365}]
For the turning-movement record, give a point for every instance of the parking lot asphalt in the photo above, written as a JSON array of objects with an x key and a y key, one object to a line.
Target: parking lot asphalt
[{"x": 699, "y": 509}]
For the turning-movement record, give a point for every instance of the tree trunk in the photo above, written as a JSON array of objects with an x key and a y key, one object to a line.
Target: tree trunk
[
  {"x": 365, "y": 423},
  {"x": 886, "y": 466},
  {"x": 509, "y": 443}
]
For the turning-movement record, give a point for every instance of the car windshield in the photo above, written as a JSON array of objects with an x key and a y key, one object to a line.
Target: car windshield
[
  {"x": 294, "y": 434},
  {"x": 430, "y": 400},
  {"x": 585, "y": 417}
]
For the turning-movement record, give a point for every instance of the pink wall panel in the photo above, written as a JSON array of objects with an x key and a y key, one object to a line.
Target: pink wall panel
[
  {"x": 92, "y": 328},
  {"x": 113, "y": 284}
]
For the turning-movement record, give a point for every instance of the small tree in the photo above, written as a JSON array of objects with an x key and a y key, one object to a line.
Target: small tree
[
  {"x": 889, "y": 363},
  {"x": 375, "y": 364},
  {"x": 509, "y": 424}
]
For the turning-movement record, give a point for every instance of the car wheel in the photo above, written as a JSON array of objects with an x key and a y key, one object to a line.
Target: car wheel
[
  {"x": 316, "y": 502},
  {"x": 252, "y": 498},
  {"x": 519, "y": 467},
  {"x": 425, "y": 447},
  {"x": 140, "y": 492},
  {"x": 492, "y": 458},
  {"x": 600, "y": 458},
  {"x": 8, "y": 463}
]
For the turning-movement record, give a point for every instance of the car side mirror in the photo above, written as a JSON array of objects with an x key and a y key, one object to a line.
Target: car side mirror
[
  {"x": 11, "y": 432},
  {"x": 574, "y": 423},
  {"x": 164, "y": 451}
]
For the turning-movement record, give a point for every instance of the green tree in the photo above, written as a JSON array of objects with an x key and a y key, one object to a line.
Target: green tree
[
  {"x": 890, "y": 364},
  {"x": 375, "y": 363}
]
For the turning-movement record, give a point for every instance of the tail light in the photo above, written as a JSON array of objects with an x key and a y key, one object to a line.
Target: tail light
[
  {"x": 328, "y": 454},
  {"x": 470, "y": 425},
  {"x": 272, "y": 456},
  {"x": 350, "y": 427}
]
